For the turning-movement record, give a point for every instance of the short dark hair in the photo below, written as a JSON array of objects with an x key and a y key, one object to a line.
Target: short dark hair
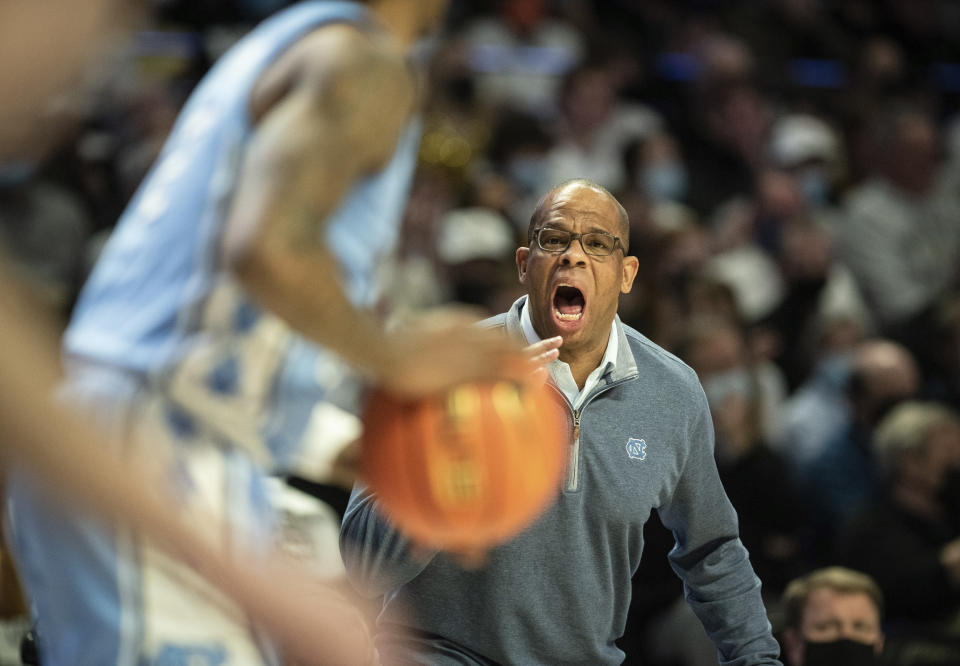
[{"x": 536, "y": 218}]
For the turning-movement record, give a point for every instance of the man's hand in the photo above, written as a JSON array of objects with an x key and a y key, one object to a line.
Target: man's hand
[{"x": 449, "y": 349}]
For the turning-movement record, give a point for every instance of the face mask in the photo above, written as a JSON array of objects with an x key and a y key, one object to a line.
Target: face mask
[
  {"x": 835, "y": 369},
  {"x": 527, "y": 172},
  {"x": 719, "y": 387},
  {"x": 664, "y": 181},
  {"x": 813, "y": 187},
  {"x": 15, "y": 174},
  {"x": 839, "y": 653}
]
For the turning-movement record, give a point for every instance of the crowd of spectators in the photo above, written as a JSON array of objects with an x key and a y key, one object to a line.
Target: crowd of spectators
[{"x": 791, "y": 169}]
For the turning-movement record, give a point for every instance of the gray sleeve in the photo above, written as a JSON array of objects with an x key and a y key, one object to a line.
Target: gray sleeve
[
  {"x": 718, "y": 579},
  {"x": 377, "y": 557}
]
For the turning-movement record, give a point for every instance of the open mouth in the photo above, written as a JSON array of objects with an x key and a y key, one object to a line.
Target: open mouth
[{"x": 568, "y": 303}]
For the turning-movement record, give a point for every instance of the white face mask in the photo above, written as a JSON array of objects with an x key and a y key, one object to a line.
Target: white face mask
[
  {"x": 664, "y": 181},
  {"x": 734, "y": 382}
]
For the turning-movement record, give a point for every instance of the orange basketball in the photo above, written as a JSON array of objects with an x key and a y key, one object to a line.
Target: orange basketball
[{"x": 466, "y": 469}]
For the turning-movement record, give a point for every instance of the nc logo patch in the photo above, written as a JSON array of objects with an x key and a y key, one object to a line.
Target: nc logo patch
[{"x": 637, "y": 448}]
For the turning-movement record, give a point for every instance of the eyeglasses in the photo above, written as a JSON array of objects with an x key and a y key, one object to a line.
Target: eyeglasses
[{"x": 597, "y": 243}]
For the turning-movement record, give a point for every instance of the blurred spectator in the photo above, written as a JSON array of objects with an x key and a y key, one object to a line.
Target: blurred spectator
[
  {"x": 654, "y": 168},
  {"x": 908, "y": 539},
  {"x": 722, "y": 124},
  {"x": 815, "y": 288},
  {"x": 833, "y": 618},
  {"x": 475, "y": 248},
  {"x": 808, "y": 148},
  {"x": 769, "y": 512},
  {"x": 844, "y": 475},
  {"x": 818, "y": 408},
  {"x": 672, "y": 249},
  {"x": 515, "y": 175},
  {"x": 595, "y": 127},
  {"x": 754, "y": 278},
  {"x": 456, "y": 125},
  {"x": 520, "y": 54},
  {"x": 901, "y": 238},
  {"x": 788, "y": 31}
]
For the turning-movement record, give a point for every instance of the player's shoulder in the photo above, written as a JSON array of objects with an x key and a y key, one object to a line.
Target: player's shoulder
[
  {"x": 347, "y": 50},
  {"x": 343, "y": 66}
]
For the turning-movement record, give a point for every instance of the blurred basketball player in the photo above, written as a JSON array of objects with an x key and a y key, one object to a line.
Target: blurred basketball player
[{"x": 269, "y": 207}]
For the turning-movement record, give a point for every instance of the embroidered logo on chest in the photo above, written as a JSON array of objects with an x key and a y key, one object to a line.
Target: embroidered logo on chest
[{"x": 636, "y": 448}]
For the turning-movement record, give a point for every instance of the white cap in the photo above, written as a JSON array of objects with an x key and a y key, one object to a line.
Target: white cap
[
  {"x": 798, "y": 138},
  {"x": 474, "y": 233},
  {"x": 753, "y": 277}
]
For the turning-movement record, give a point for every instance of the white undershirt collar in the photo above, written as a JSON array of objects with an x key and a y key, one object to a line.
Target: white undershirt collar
[{"x": 560, "y": 371}]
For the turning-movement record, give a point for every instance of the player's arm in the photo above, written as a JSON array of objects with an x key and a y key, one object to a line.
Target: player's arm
[
  {"x": 71, "y": 460},
  {"x": 328, "y": 113},
  {"x": 327, "y": 116}
]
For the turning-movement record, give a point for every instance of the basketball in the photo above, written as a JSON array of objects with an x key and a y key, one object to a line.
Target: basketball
[{"x": 465, "y": 469}]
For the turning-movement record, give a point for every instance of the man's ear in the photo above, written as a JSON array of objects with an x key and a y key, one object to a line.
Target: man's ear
[
  {"x": 522, "y": 254},
  {"x": 793, "y": 645},
  {"x": 630, "y": 267}
]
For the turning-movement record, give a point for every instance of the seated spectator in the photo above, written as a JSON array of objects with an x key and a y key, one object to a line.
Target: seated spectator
[
  {"x": 844, "y": 476},
  {"x": 807, "y": 148},
  {"x": 520, "y": 54},
  {"x": 901, "y": 238},
  {"x": 909, "y": 537},
  {"x": 596, "y": 125},
  {"x": 475, "y": 249},
  {"x": 514, "y": 175},
  {"x": 833, "y": 618},
  {"x": 819, "y": 408},
  {"x": 769, "y": 512},
  {"x": 654, "y": 168}
]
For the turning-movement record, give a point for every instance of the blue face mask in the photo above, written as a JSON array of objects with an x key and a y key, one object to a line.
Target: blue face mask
[
  {"x": 16, "y": 174},
  {"x": 527, "y": 172},
  {"x": 813, "y": 187},
  {"x": 664, "y": 181},
  {"x": 834, "y": 370}
]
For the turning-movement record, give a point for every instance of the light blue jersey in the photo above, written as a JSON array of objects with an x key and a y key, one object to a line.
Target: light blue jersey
[
  {"x": 144, "y": 301},
  {"x": 161, "y": 304},
  {"x": 171, "y": 353}
]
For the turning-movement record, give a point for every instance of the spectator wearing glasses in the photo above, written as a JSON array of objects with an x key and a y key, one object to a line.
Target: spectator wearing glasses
[{"x": 641, "y": 440}]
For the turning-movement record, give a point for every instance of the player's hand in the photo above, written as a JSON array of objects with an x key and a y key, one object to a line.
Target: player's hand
[
  {"x": 541, "y": 354},
  {"x": 447, "y": 349}
]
